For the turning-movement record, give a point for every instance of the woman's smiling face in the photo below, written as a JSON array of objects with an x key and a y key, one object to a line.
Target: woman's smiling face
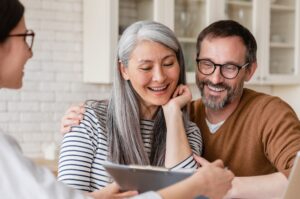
[{"x": 153, "y": 71}]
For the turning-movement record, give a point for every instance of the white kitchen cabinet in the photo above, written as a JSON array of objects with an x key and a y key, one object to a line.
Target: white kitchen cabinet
[
  {"x": 280, "y": 50},
  {"x": 103, "y": 22},
  {"x": 274, "y": 23}
]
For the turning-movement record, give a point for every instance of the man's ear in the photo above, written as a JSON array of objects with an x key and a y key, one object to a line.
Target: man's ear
[
  {"x": 250, "y": 71},
  {"x": 124, "y": 71}
]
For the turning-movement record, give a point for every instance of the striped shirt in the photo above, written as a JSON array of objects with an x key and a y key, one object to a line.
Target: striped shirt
[{"x": 85, "y": 147}]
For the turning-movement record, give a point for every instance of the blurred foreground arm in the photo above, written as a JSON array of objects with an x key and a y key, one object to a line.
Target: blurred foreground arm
[
  {"x": 112, "y": 191},
  {"x": 259, "y": 187},
  {"x": 211, "y": 180},
  {"x": 21, "y": 178}
]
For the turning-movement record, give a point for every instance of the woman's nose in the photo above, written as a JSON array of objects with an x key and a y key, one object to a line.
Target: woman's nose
[
  {"x": 159, "y": 75},
  {"x": 30, "y": 54}
]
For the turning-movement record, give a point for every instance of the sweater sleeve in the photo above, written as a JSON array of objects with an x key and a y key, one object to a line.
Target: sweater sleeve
[
  {"x": 77, "y": 153},
  {"x": 281, "y": 134}
]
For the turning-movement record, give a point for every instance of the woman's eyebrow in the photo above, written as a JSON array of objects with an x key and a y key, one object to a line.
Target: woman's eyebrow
[
  {"x": 146, "y": 60},
  {"x": 166, "y": 57}
]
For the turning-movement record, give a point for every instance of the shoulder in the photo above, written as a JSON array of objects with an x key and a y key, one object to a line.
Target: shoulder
[
  {"x": 93, "y": 123},
  {"x": 192, "y": 128},
  {"x": 95, "y": 111},
  {"x": 269, "y": 113},
  {"x": 97, "y": 106},
  {"x": 195, "y": 104},
  {"x": 264, "y": 103},
  {"x": 195, "y": 109},
  {"x": 8, "y": 141}
]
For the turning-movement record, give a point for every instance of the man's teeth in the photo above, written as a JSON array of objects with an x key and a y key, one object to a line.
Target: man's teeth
[
  {"x": 218, "y": 89},
  {"x": 158, "y": 88}
]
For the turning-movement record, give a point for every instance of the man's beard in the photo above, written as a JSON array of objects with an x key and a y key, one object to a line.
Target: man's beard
[{"x": 212, "y": 102}]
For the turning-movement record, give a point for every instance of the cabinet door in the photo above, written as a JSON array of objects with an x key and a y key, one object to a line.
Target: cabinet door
[
  {"x": 131, "y": 11},
  {"x": 100, "y": 32},
  {"x": 103, "y": 22},
  {"x": 240, "y": 11},
  {"x": 283, "y": 37},
  {"x": 245, "y": 12},
  {"x": 190, "y": 17},
  {"x": 274, "y": 23}
]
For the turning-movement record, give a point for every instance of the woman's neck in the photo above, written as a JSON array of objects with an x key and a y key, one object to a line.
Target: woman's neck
[{"x": 148, "y": 112}]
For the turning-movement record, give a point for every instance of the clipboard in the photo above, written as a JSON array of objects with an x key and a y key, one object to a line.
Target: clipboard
[{"x": 145, "y": 178}]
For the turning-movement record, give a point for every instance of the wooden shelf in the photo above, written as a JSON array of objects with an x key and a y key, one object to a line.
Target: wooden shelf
[{"x": 240, "y": 3}]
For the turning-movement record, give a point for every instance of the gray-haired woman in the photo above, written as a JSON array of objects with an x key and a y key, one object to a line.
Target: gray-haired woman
[{"x": 145, "y": 120}]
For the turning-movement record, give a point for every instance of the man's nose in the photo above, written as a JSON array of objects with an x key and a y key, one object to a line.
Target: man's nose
[{"x": 216, "y": 76}]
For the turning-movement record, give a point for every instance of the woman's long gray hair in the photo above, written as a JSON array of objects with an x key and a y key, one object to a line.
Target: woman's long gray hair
[{"x": 123, "y": 122}]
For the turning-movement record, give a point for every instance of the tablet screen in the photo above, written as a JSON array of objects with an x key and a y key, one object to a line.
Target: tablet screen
[{"x": 145, "y": 178}]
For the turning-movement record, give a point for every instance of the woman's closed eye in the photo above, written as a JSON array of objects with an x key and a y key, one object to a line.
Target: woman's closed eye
[
  {"x": 168, "y": 64},
  {"x": 145, "y": 68}
]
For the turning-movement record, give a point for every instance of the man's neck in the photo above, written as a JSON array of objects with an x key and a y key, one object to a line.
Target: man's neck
[{"x": 216, "y": 116}]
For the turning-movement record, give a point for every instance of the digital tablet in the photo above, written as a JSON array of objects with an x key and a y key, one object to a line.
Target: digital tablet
[{"x": 145, "y": 178}]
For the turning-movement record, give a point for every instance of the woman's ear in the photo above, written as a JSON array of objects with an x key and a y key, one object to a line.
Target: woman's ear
[{"x": 124, "y": 71}]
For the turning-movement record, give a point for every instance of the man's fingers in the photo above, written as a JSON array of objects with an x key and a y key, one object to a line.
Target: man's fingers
[
  {"x": 126, "y": 194},
  {"x": 73, "y": 116},
  {"x": 114, "y": 187},
  {"x": 66, "y": 125},
  {"x": 65, "y": 130},
  {"x": 201, "y": 160},
  {"x": 76, "y": 109},
  {"x": 218, "y": 163}
]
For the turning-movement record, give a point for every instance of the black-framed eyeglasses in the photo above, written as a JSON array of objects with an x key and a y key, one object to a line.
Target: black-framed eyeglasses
[
  {"x": 28, "y": 37},
  {"x": 228, "y": 71}
]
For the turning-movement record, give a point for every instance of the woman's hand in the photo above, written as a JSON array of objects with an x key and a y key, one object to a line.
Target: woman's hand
[
  {"x": 72, "y": 117},
  {"x": 181, "y": 97},
  {"x": 177, "y": 145},
  {"x": 112, "y": 191}
]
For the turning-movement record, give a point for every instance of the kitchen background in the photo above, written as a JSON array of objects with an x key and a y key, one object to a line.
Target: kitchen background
[{"x": 54, "y": 76}]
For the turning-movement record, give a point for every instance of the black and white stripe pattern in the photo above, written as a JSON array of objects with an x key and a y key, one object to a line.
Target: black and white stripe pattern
[{"x": 85, "y": 148}]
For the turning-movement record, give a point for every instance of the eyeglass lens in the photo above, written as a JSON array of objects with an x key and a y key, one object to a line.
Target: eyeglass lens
[
  {"x": 228, "y": 71},
  {"x": 29, "y": 37},
  {"x": 29, "y": 40}
]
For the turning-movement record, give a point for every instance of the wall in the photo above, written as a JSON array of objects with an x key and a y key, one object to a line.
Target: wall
[{"x": 53, "y": 77}]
